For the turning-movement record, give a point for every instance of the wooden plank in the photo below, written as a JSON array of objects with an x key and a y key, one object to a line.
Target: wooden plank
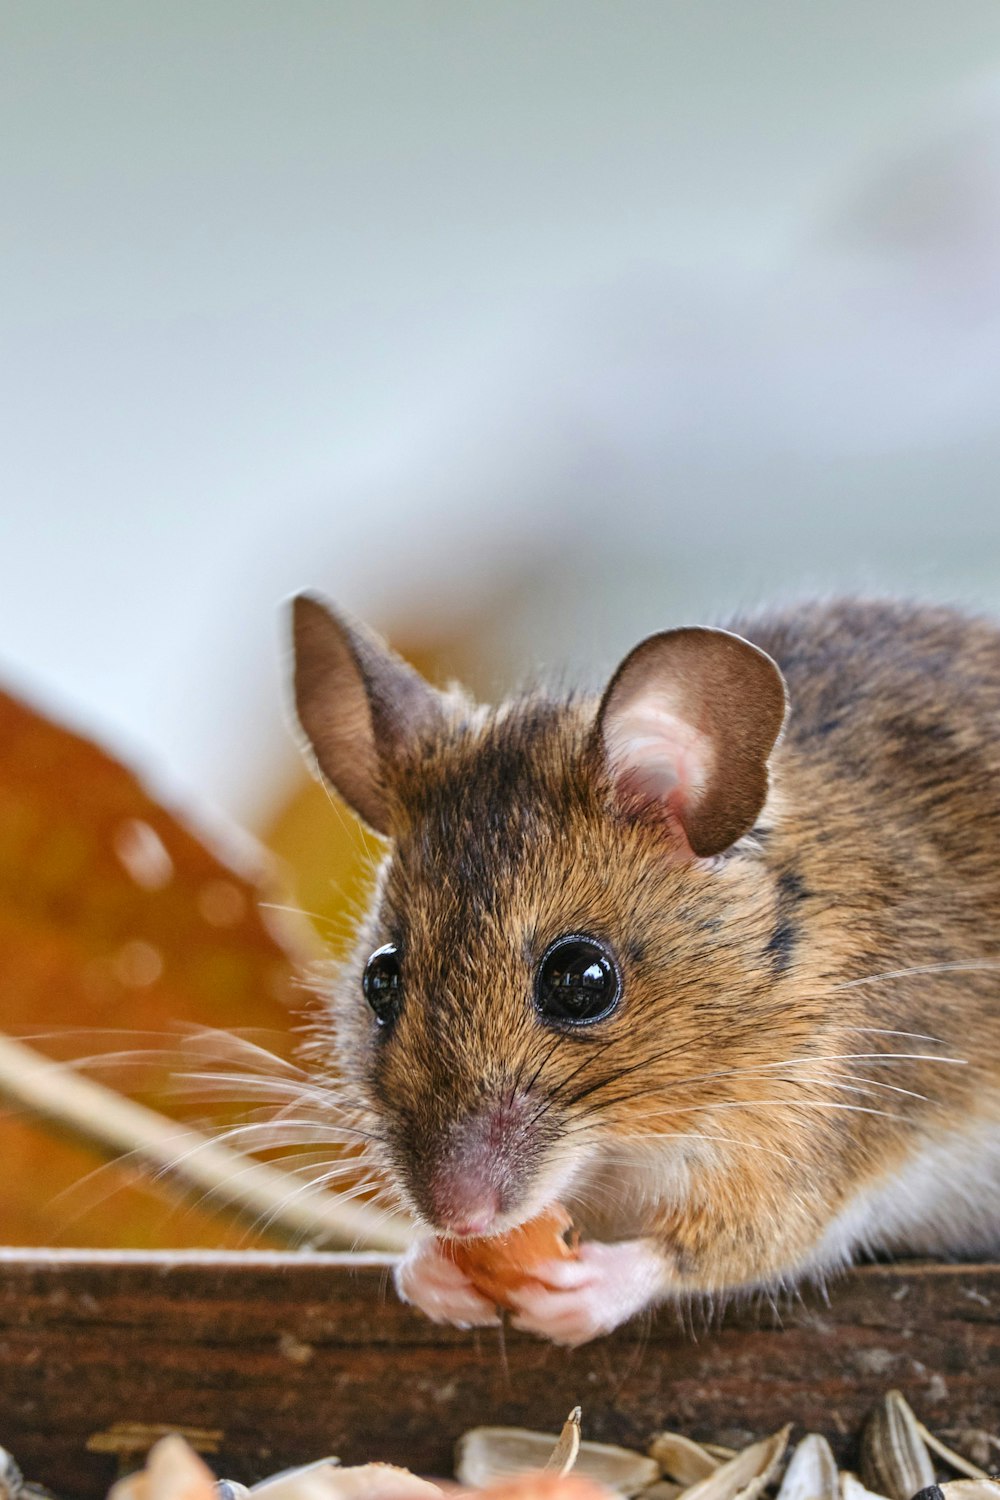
[{"x": 291, "y": 1357}]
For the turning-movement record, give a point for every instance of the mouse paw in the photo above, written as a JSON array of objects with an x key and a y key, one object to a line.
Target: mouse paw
[
  {"x": 573, "y": 1301},
  {"x": 433, "y": 1282}
]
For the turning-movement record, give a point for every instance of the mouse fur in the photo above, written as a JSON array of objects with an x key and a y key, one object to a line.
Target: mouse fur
[{"x": 805, "y": 1062}]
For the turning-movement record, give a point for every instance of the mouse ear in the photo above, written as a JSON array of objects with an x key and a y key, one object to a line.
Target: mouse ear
[
  {"x": 358, "y": 702},
  {"x": 686, "y": 727}
]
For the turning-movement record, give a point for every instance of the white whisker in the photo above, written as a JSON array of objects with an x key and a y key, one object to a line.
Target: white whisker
[{"x": 958, "y": 966}]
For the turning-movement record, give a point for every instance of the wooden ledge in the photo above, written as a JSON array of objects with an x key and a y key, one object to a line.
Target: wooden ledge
[{"x": 283, "y": 1358}]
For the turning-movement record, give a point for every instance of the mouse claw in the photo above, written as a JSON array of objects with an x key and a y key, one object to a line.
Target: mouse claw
[
  {"x": 573, "y": 1302},
  {"x": 432, "y": 1282}
]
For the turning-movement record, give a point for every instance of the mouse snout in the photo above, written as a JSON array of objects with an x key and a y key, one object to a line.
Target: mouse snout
[
  {"x": 479, "y": 1174},
  {"x": 462, "y": 1206}
]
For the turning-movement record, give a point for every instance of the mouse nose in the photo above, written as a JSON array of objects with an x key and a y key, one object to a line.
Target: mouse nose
[
  {"x": 476, "y": 1221},
  {"x": 476, "y": 1175},
  {"x": 461, "y": 1204}
]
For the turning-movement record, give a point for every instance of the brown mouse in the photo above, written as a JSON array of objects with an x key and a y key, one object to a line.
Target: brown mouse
[{"x": 711, "y": 959}]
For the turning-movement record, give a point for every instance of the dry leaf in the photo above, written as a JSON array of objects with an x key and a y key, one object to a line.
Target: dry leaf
[{"x": 114, "y": 914}]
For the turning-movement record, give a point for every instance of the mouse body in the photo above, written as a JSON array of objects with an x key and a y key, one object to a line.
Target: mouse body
[{"x": 711, "y": 959}]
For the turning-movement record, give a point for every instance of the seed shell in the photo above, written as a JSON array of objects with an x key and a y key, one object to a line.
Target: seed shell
[
  {"x": 851, "y": 1488},
  {"x": 746, "y": 1475},
  {"x": 487, "y": 1454},
  {"x": 894, "y": 1457},
  {"x": 812, "y": 1472},
  {"x": 682, "y": 1459}
]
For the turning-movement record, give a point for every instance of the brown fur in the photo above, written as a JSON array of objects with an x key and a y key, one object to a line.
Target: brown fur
[{"x": 875, "y": 853}]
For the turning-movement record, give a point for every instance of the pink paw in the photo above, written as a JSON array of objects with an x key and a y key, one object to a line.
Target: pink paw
[
  {"x": 433, "y": 1282},
  {"x": 588, "y": 1296}
]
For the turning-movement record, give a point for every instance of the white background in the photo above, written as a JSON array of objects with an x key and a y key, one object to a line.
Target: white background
[{"x": 650, "y": 309}]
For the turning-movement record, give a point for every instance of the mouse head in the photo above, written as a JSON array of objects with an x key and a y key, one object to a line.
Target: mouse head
[{"x": 566, "y": 923}]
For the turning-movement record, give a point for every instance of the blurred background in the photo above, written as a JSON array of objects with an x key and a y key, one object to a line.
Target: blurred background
[{"x": 521, "y": 330}]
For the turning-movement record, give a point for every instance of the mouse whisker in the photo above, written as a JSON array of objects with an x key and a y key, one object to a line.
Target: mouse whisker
[
  {"x": 958, "y": 966},
  {"x": 792, "y": 1105},
  {"x": 549, "y": 1051},
  {"x": 636, "y": 1067},
  {"x": 920, "y": 1036},
  {"x": 700, "y": 1135},
  {"x": 221, "y": 1087},
  {"x": 769, "y": 1068}
]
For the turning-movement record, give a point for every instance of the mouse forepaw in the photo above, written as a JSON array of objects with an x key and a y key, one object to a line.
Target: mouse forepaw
[
  {"x": 574, "y": 1301},
  {"x": 433, "y": 1282}
]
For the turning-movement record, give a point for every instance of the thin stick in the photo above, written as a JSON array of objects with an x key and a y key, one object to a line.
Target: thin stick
[{"x": 191, "y": 1161}]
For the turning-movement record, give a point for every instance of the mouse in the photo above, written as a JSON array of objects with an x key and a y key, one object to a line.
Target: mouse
[{"x": 708, "y": 957}]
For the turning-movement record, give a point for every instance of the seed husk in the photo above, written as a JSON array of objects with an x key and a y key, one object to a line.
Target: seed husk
[
  {"x": 952, "y": 1459},
  {"x": 294, "y": 1472},
  {"x": 894, "y": 1456},
  {"x": 486, "y": 1454},
  {"x": 11, "y": 1479},
  {"x": 812, "y": 1472},
  {"x": 564, "y": 1454},
  {"x": 851, "y": 1488},
  {"x": 746, "y": 1475},
  {"x": 682, "y": 1459}
]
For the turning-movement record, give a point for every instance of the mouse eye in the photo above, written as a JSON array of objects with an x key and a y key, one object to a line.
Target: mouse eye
[
  {"x": 578, "y": 981},
  {"x": 382, "y": 983}
]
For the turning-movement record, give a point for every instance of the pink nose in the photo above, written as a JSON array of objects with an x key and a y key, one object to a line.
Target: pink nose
[
  {"x": 466, "y": 1208},
  {"x": 475, "y": 1224},
  {"x": 476, "y": 1170}
]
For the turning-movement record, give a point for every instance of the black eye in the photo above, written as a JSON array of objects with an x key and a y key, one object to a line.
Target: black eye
[
  {"x": 577, "y": 981},
  {"x": 382, "y": 983}
]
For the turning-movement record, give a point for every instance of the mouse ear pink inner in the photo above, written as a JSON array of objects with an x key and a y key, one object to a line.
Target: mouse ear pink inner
[
  {"x": 686, "y": 727},
  {"x": 359, "y": 704}
]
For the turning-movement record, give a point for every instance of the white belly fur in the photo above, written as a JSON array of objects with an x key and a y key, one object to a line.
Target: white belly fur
[{"x": 944, "y": 1201}]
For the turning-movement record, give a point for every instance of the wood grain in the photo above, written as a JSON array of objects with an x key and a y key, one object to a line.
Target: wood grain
[{"x": 293, "y": 1357}]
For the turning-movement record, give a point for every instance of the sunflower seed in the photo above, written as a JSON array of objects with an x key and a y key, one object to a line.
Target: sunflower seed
[
  {"x": 894, "y": 1457},
  {"x": 812, "y": 1473},
  {"x": 489, "y": 1453},
  {"x": 564, "y": 1454},
  {"x": 11, "y": 1478},
  {"x": 952, "y": 1459},
  {"x": 746, "y": 1475},
  {"x": 851, "y": 1488},
  {"x": 682, "y": 1459},
  {"x": 296, "y": 1469}
]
